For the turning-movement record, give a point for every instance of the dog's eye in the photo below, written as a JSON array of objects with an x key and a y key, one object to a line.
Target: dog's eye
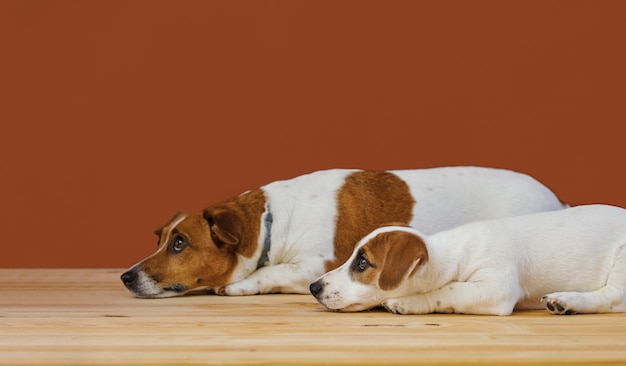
[
  {"x": 178, "y": 244},
  {"x": 363, "y": 264}
]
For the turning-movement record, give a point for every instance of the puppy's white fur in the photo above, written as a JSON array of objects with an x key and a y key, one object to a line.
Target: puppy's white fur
[{"x": 570, "y": 261}]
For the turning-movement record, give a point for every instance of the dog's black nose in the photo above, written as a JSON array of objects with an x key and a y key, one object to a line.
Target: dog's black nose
[
  {"x": 129, "y": 277},
  {"x": 316, "y": 288}
]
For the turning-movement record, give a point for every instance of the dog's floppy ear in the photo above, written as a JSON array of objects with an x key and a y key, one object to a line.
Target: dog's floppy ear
[
  {"x": 403, "y": 253},
  {"x": 225, "y": 225}
]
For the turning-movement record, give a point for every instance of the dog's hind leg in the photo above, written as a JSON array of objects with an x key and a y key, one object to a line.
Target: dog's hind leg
[{"x": 609, "y": 299}]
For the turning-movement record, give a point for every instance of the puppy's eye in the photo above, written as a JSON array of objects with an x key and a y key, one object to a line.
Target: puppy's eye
[
  {"x": 178, "y": 244},
  {"x": 360, "y": 262},
  {"x": 363, "y": 264}
]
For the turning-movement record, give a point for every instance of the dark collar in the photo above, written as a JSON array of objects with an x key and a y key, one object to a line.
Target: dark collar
[{"x": 267, "y": 222}]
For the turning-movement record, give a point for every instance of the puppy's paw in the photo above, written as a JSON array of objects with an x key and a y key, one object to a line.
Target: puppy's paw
[
  {"x": 557, "y": 304},
  {"x": 394, "y": 306}
]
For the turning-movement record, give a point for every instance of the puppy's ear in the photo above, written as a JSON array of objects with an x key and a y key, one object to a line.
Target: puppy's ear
[
  {"x": 225, "y": 225},
  {"x": 404, "y": 252}
]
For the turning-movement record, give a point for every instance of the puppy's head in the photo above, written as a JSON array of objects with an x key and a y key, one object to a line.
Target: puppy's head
[
  {"x": 377, "y": 270},
  {"x": 197, "y": 251}
]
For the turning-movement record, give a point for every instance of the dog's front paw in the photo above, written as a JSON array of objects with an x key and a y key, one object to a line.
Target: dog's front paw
[
  {"x": 394, "y": 306},
  {"x": 557, "y": 305},
  {"x": 240, "y": 288}
]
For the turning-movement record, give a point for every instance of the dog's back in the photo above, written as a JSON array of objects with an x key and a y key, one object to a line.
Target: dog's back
[
  {"x": 441, "y": 198},
  {"x": 473, "y": 193}
]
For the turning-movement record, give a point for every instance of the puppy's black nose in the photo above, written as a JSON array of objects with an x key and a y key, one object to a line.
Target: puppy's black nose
[
  {"x": 316, "y": 288},
  {"x": 129, "y": 277}
]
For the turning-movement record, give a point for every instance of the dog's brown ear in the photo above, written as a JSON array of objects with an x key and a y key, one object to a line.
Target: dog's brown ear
[
  {"x": 225, "y": 225},
  {"x": 403, "y": 253}
]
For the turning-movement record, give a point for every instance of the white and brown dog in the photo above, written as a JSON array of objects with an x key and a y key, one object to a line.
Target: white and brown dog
[
  {"x": 570, "y": 261},
  {"x": 283, "y": 236}
]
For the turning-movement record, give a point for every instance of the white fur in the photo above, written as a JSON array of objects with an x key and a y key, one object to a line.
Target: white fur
[
  {"x": 571, "y": 261},
  {"x": 305, "y": 210}
]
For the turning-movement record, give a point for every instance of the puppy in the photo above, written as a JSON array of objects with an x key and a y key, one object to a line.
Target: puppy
[
  {"x": 282, "y": 236},
  {"x": 569, "y": 261}
]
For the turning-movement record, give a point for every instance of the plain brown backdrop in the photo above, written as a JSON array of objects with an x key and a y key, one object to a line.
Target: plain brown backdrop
[{"x": 116, "y": 114}]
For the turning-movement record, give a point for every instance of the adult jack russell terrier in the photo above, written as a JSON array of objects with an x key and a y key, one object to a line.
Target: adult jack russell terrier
[
  {"x": 570, "y": 261},
  {"x": 283, "y": 236}
]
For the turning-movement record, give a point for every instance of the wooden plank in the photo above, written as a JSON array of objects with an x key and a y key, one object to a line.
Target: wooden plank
[{"x": 74, "y": 317}]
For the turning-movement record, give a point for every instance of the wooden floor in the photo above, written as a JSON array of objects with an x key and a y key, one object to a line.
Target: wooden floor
[{"x": 65, "y": 317}]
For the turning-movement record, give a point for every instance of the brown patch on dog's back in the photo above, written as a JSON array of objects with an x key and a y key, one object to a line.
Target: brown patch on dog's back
[{"x": 367, "y": 200}]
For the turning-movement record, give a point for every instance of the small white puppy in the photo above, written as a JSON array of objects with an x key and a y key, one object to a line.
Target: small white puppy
[{"x": 570, "y": 261}]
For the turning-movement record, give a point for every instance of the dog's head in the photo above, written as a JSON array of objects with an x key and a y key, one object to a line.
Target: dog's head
[
  {"x": 200, "y": 250},
  {"x": 377, "y": 270}
]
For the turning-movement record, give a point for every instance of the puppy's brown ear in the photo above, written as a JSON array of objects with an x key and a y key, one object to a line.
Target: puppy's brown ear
[
  {"x": 403, "y": 252},
  {"x": 225, "y": 225}
]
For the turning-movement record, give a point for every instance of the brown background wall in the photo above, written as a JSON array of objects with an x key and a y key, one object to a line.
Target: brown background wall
[{"x": 116, "y": 114}]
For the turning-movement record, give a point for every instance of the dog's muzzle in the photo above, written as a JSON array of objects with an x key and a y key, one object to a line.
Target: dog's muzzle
[{"x": 145, "y": 286}]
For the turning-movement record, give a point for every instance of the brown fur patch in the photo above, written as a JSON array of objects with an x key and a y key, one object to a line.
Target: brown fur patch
[
  {"x": 238, "y": 221},
  {"x": 367, "y": 200},
  {"x": 392, "y": 255},
  {"x": 204, "y": 262}
]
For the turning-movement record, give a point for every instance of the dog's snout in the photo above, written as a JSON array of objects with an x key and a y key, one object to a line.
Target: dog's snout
[
  {"x": 129, "y": 277},
  {"x": 316, "y": 288}
]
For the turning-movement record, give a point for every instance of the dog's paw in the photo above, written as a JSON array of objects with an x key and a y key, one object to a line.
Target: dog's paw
[
  {"x": 240, "y": 288},
  {"x": 394, "y": 306},
  {"x": 557, "y": 305}
]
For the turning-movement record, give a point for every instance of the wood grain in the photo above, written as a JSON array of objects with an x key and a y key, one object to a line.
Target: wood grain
[{"x": 74, "y": 317}]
